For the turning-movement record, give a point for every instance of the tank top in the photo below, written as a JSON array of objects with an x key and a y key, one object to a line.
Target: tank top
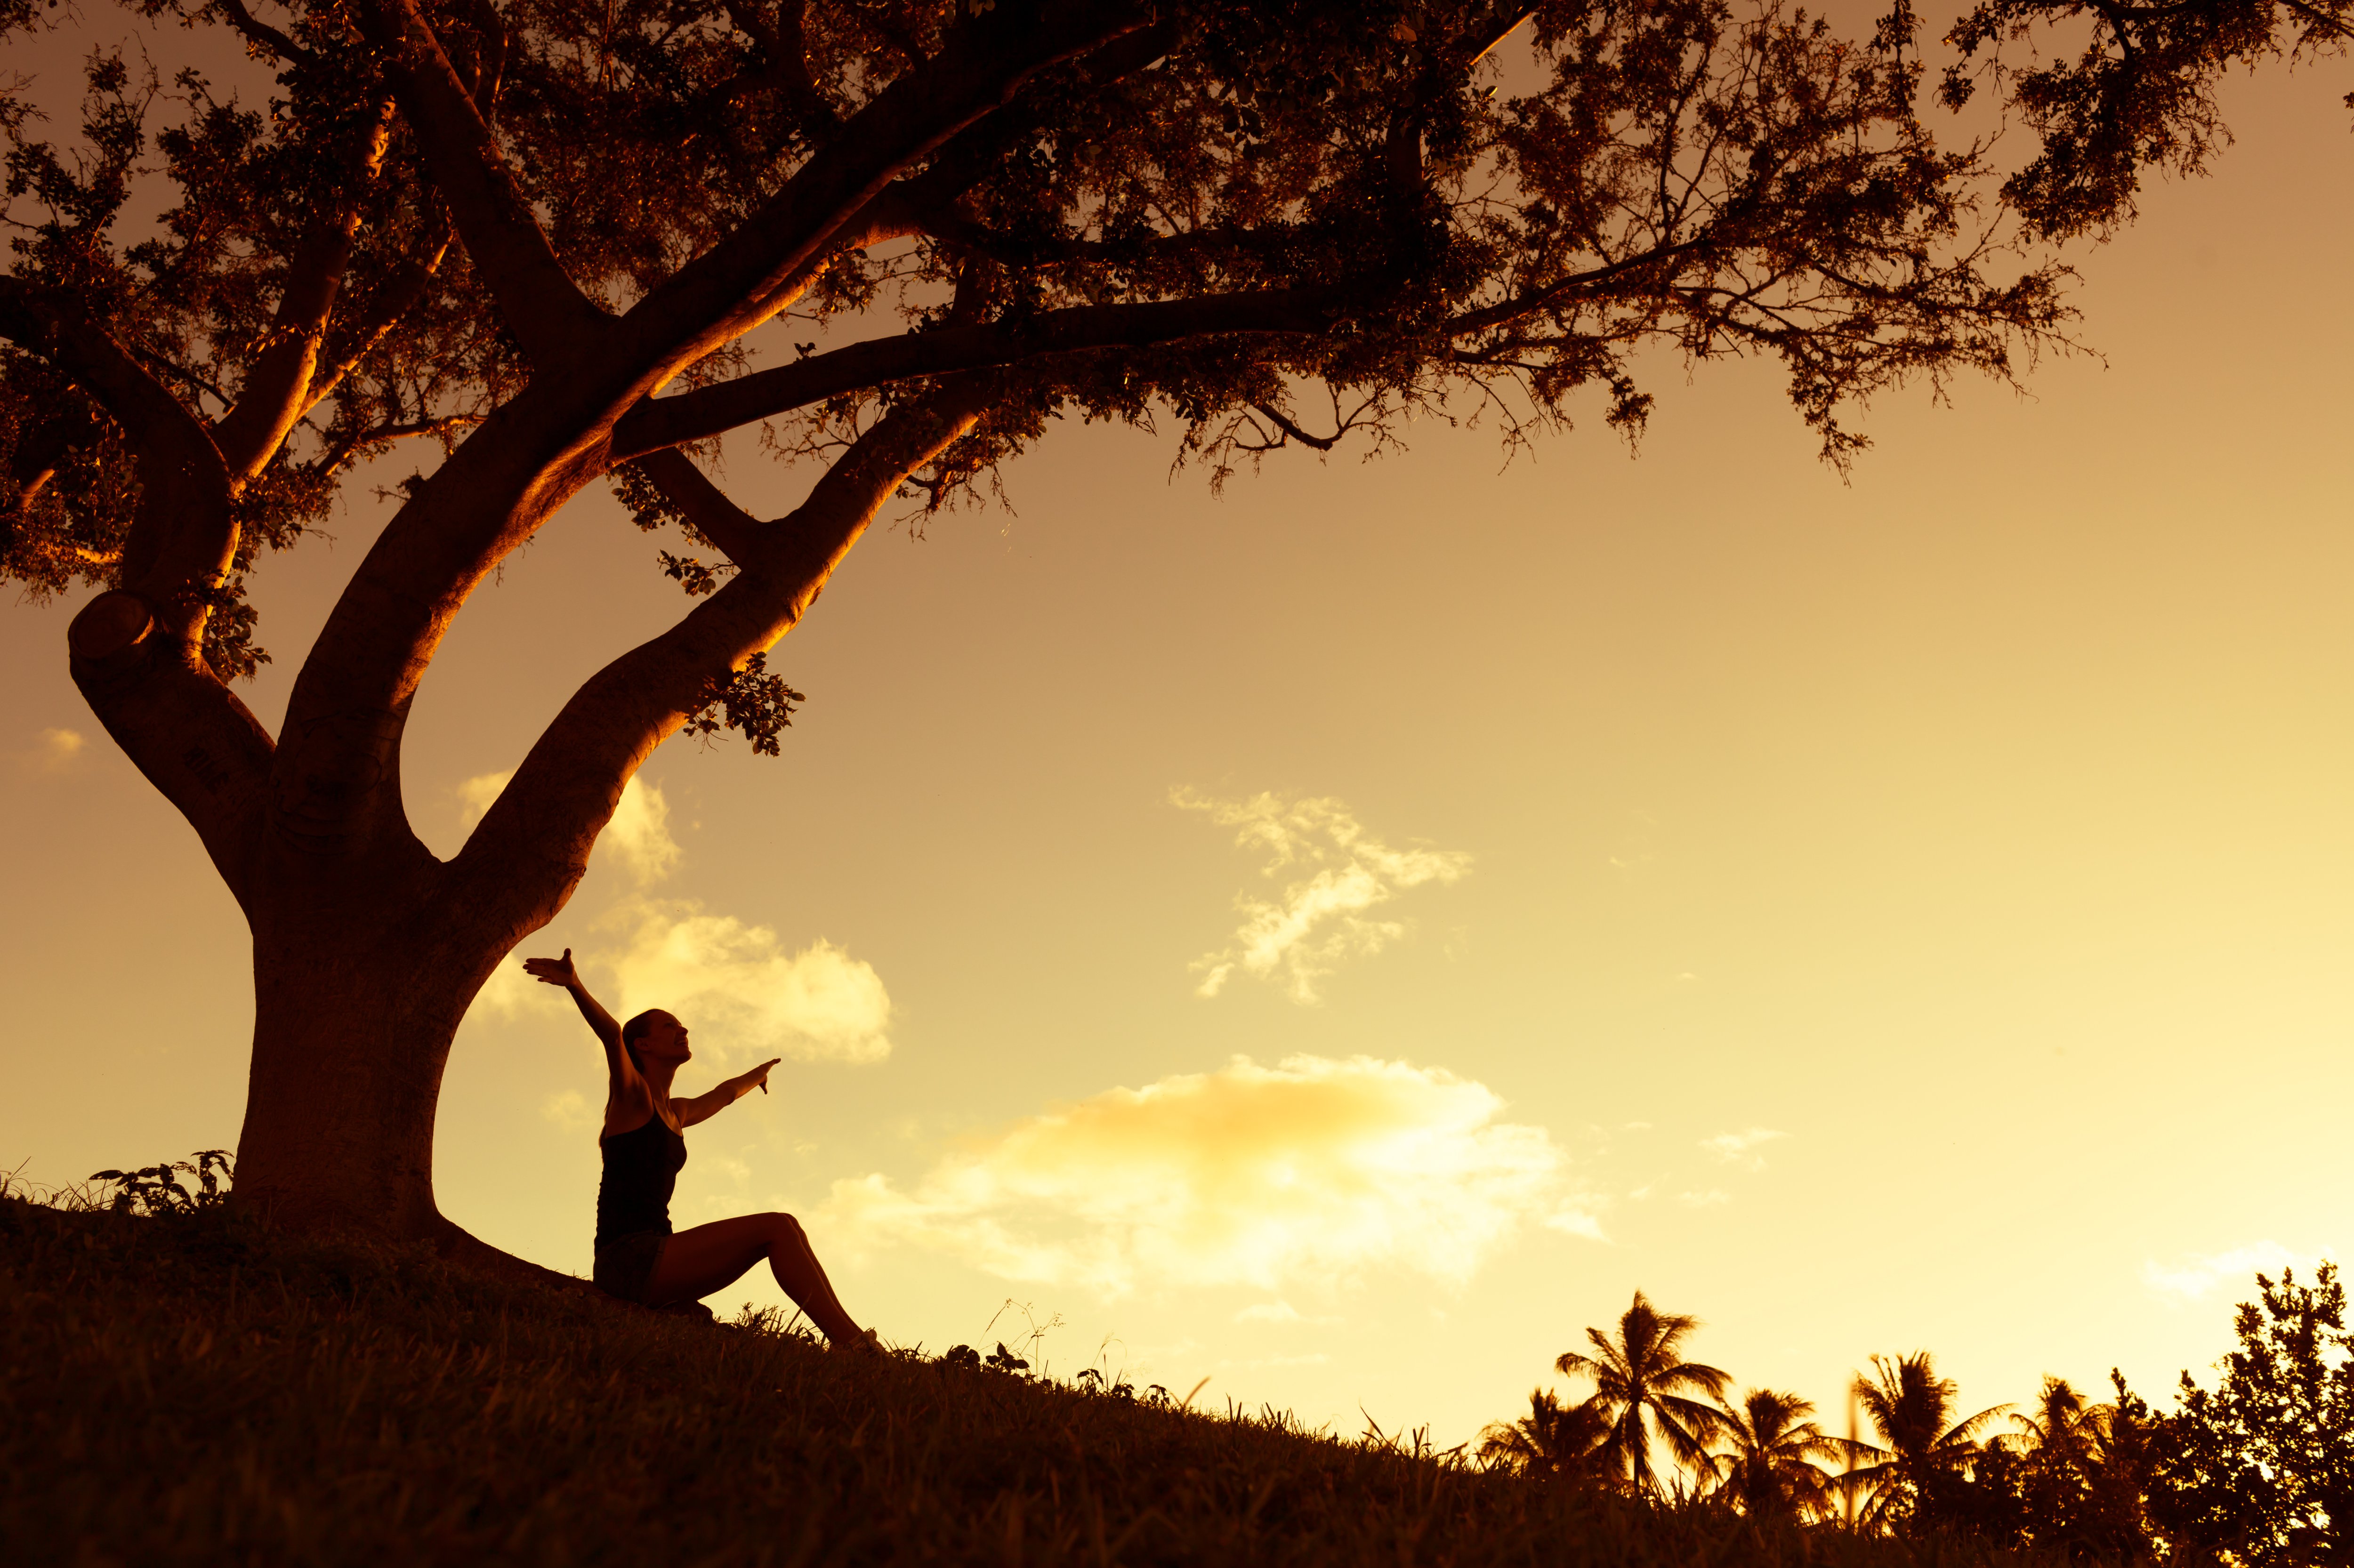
[{"x": 641, "y": 1169}]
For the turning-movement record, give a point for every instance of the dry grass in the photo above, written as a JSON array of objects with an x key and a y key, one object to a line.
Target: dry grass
[{"x": 190, "y": 1389}]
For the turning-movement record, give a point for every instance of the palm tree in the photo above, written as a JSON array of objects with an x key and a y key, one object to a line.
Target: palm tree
[
  {"x": 1552, "y": 1439},
  {"x": 1912, "y": 1408},
  {"x": 2058, "y": 1437},
  {"x": 1640, "y": 1384},
  {"x": 2057, "y": 1444},
  {"x": 1771, "y": 1471}
]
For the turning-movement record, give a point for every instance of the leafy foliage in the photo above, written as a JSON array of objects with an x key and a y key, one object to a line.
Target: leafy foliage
[
  {"x": 1643, "y": 1387},
  {"x": 2262, "y": 1465},
  {"x": 2125, "y": 87},
  {"x": 1552, "y": 1442},
  {"x": 751, "y": 702},
  {"x": 158, "y": 1189},
  {"x": 1920, "y": 1473},
  {"x": 1670, "y": 172},
  {"x": 1773, "y": 1466}
]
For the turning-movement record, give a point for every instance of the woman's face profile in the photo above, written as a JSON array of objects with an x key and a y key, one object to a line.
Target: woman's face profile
[{"x": 665, "y": 1037}]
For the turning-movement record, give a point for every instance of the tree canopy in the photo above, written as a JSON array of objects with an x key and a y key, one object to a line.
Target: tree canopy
[
  {"x": 1205, "y": 209},
  {"x": 541, "y": 245}
]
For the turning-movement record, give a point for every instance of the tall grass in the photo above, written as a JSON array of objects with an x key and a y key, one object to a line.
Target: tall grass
[{"x": 189, "y": 1388}]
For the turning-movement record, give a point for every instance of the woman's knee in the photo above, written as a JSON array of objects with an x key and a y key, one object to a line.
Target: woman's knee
[{"x": 785, "y": 1228}]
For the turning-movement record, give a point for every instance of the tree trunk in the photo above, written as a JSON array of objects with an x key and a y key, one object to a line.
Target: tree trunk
[{"x": 359, "y": 988}]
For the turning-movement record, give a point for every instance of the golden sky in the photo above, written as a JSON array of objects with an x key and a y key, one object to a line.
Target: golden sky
[{"x": 1343, "y": 938}]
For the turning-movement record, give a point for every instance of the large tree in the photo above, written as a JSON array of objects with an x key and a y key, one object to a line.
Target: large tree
[
  {"x": 550, "y": 244},
  {"x": 2260, "y": 1469}
]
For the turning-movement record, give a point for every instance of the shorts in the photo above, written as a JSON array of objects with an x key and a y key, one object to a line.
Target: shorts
[{"x": 626, "y": 1265}]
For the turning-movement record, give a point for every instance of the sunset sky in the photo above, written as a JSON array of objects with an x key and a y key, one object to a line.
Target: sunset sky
[{"x": 1342, "y": 937}]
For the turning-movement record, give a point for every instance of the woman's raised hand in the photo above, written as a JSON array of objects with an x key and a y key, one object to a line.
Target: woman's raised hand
[
  {"x": 554, "y": 971},
  {"x": 759, "y": 1074}
]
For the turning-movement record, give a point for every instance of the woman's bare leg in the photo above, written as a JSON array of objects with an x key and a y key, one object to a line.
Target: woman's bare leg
[{"x": 711, "y": 1257}]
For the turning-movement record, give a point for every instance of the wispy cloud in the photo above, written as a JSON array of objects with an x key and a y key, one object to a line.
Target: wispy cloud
[
  {"x": 1740, "y": 1148},
  {"x": 1311, "y": 1169},
  {"x": 52, "y": 751},
  {"x": 2195, "y": 1277},
  {"x": 746, "y": 994},
  {"x": 1320, "y": 919},
  {"x": 570, "y": 1110}
]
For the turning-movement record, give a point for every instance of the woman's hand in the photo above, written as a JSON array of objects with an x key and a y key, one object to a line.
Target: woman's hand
[
  {"x": 760, "y": 1076},
  {"x": 552, "y": 971}
]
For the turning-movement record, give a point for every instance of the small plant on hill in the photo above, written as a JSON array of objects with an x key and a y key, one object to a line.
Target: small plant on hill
[{"x": 157, "y": 1189}]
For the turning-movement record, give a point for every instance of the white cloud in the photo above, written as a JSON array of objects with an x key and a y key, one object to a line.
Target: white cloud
[
  {"x": 733, "y": 983},
  {"x": 1740, "y": 1148},
  {"x": 639, "y": 833},
  {"x": 739, "y": 991},
  {"x": 476, "y": 794},
  {"x": 1311, "y": 1169},
  {"x": 1320, "y": 920},
  {"x": 2199, "y": 1276}
]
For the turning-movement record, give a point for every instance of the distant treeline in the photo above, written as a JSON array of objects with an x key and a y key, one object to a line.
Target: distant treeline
[{"x": 2257, "y": 1470}]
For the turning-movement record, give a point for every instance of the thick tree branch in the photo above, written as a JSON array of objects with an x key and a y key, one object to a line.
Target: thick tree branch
[
  {"x": 707, "y": 411},
  {"x": 339, "y": 753},
  {"x": 522, "y": 863},
  {"x": 183, "y": 535},
  {"x": 198, "y": 743},
  {"x": 554, "y": 320},
  {"x": 393, "y": 299},
  {"x": 720, "y": 295},
  {"x": 259, "y": 34},
  {"x": 716, "y": 518},
  {"x": 278, "y": 385},
  {"x": 788, "y": 61},
  {"x": 136, "y": 652}
]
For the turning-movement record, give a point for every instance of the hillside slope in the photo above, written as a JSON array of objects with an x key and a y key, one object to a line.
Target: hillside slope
[{"x": 193, "y": 1389}]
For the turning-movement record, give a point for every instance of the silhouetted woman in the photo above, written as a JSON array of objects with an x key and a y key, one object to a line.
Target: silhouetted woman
[{"x": 638, "y": 1258}]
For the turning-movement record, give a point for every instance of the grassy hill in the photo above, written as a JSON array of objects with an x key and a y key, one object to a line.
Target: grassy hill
[{"x": 191, "y": 1389}]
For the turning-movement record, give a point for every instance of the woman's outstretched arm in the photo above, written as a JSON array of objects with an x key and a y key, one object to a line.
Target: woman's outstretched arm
[
  {"x": 710, "y": 1102},
  {"x": 622, "y": 1073}
]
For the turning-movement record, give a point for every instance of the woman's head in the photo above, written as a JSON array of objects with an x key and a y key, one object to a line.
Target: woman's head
[{"x": 654, "y": 1035}]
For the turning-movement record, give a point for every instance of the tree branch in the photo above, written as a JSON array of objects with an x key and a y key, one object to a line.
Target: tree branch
[
  {"x": 393, "y": 299},
  {"x": 278, "y": 385},
  {"x": 787, "y": 57},
  {"x": 554, "y": 320},
  {"x": 182, "y": 536},
  {"x": 707, "y": 411},
  {"x": 736, "y": 531},
  {"x": 136, "y": 652},
  {"x": 259, "y": 34},
  {"x": 522, "y": 863},
  {"x": 719, "y": 296}
]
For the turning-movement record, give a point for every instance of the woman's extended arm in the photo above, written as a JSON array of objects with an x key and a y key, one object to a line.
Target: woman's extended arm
[
  {"x": 622, "y": 1073},
  {"x": 710, "y": 1102}
]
